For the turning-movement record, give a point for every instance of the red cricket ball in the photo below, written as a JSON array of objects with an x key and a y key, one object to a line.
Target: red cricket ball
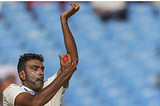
[{"x": 65, "y": 58}]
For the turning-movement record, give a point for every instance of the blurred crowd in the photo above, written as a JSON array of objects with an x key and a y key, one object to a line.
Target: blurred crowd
[{"x": 8, "y": 75}]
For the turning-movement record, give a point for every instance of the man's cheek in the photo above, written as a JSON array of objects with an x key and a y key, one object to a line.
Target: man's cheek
[{"x": 33, "y": 76}]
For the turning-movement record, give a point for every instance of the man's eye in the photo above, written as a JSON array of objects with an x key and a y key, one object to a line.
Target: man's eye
[
  {"x": 42, "y": 69},
  {"x": 34, "y": 68}
]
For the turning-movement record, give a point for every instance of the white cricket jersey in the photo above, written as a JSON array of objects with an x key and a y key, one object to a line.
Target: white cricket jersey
[{"x": 13, "y": 90}]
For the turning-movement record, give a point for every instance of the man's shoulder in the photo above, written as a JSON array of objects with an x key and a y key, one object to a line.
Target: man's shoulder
[
  {"x": 49, "y": 80},
  {"x": 10, "y": 93},
  {"x": 11, "y": 87}
]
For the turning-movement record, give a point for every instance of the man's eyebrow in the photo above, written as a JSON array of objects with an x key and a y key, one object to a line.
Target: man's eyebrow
[{"x": 37, "y": 66}]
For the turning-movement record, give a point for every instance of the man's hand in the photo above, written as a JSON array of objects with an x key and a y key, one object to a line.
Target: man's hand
[
  {"x": 69, "y": 67},
  {"x": 65, "y": 64},
  {"x": 75, "y": 7}
]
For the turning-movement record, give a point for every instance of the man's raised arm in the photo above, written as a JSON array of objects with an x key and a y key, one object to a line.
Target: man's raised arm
[{"x": 68, "y": 37}]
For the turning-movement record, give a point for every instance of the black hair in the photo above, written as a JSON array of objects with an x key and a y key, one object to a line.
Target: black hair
[{"x": 26, "y": 57}]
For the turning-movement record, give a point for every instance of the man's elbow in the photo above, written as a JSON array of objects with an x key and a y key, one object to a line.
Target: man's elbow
[
  {"x": 76, "y": 60},
  {"x": 37, "y": 103}
]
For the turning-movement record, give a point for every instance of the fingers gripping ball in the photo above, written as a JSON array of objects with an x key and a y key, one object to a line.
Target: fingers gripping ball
[{"x": 65, "y": 59}]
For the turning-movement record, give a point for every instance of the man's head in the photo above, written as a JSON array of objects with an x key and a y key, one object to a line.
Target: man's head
[{"x": 30, "y": 69}]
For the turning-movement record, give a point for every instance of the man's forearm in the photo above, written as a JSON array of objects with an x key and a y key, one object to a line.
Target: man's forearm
[
  {"x": 69, "y": 40},
  {"x": 47, "y": 93}
]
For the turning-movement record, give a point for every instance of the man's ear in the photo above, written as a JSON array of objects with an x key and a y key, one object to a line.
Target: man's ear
[{"x": 22, "y": 75}]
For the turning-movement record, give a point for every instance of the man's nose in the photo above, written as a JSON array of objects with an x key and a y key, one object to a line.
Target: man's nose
[{"x": 40, "y": 72}]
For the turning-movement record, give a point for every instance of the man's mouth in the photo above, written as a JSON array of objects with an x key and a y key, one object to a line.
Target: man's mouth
[{"x": 40, "y": 79}]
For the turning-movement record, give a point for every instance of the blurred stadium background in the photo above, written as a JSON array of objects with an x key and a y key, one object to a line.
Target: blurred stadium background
[{"x": 119, "y": 60}]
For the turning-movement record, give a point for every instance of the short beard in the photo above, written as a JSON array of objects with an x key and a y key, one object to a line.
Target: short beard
[{"x": 35, "y": 85}]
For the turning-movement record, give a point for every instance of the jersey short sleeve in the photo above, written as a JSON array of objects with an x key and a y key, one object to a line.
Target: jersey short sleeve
[
  {"x": 57, "y": 99},
  {"x": 10, "y": 94}
]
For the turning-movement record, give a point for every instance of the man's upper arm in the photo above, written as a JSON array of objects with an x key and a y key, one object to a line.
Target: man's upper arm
[{"x": 24, "y": 99}]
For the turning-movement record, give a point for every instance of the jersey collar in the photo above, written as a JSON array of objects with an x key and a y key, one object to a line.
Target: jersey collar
[{"x": 27, "y": 89}]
